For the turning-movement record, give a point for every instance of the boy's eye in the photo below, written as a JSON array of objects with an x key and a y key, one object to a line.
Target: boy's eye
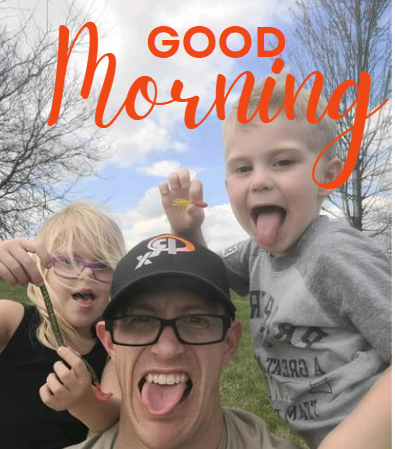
[
  {"x": 284, "y": 162},
  {"x": 242, "y": 169}
]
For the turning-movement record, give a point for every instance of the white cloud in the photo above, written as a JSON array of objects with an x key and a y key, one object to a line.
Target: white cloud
[
  {"x": 148, "y": 219},
  {"x": 161, "y": 168},
  {"x": 131, "y": 145},
  {"x": 125, "y": 26},
  {"x": 131, "y": 23},
  {"x": 164, "y": 168},
  {"x": 221, "y": 227}
]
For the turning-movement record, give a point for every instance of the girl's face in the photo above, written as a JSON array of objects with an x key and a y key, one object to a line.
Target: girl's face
[{"x": 79, "y": 293}]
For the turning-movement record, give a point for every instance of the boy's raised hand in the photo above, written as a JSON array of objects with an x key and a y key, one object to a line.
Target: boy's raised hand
[
  {"x": 183, "y": 218},
  {"x": 67, "y": 386},
  {"x": 16, "y": 266}
]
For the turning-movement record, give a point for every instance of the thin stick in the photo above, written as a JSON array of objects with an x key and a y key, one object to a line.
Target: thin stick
[{"x": 52, "y": 316}]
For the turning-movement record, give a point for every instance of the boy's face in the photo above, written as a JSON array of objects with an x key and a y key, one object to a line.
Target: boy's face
[{"x": 269, "y": 181}]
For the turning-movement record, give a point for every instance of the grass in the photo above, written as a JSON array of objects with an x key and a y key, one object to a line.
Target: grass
[
  {"x": 242, "y": 384},
  {"x": 9, "y": 292}
]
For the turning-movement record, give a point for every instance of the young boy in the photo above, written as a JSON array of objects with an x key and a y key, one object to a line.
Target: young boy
[{"x": 319, "y": 290}]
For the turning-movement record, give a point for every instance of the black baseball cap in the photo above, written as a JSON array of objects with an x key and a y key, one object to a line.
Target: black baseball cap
[{"x": 168, "y": 256}]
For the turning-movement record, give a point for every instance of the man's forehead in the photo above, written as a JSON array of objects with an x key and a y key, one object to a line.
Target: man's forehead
[{"x": 180, "y": 299}]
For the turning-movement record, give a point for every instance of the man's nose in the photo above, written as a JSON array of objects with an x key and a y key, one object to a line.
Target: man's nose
[
  {"x": 261, "y": 180},
  {"x": 168, "y": 346}
]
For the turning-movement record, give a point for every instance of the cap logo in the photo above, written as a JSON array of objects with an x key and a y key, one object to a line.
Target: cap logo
[{"x": 165, "y": 243}]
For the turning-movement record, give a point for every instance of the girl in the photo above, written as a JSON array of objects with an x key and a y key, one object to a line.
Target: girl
[{"x": 74, "y": 255}]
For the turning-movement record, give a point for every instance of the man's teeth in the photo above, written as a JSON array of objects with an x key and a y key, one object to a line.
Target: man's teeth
[{"x": 167, "y": 379}]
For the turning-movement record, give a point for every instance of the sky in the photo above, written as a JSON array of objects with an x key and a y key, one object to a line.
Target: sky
[{"x": 142, "y": 153}]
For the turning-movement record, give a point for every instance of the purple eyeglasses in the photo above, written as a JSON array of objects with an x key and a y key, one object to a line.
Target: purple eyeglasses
[{"x": 68, "y": 268}]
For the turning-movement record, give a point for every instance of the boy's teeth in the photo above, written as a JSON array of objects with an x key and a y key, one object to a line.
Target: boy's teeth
[{"x": 166, "y": 379}]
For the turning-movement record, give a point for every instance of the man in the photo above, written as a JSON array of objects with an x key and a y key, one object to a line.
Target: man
[{"x": 170, "y": 329}]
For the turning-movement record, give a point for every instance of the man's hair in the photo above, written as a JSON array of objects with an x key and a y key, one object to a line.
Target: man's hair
[
  {"x": 79, "y": 227},
  {"x": 322, "y": 133}
]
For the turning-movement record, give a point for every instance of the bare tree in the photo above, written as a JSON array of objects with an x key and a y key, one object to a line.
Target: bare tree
[
  {"x": 342, "y": 38},
  {"x": 39, "y": 164}
]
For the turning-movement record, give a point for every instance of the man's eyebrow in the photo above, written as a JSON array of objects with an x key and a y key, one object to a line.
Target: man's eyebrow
[
  {"x": 140, "y": 305},
  {"x": 183, "y": 309},
  {"x": 202, "y": 306}
]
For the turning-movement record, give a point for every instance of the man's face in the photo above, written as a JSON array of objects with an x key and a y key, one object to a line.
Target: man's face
[
  {"x": 170, "y": 391},
  {"x": 269, "y": 181}
]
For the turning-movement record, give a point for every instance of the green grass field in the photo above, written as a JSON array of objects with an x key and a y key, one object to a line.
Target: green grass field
[{"x": 242, "y": 383}]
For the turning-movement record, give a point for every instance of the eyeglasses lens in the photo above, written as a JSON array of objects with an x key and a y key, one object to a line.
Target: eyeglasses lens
[{"x": 141, "y": 330}]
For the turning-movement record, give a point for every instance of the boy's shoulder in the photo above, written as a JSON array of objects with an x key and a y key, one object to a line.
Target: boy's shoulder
[
  {"x": 332, "y": 248},
  {"x": 335, "y": 236},
  {"x": 244, "y": 247}
]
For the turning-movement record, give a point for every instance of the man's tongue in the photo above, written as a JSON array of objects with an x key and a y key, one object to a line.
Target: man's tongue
[
  {"x": 162, "y": 399},
  {"x": 268, "y": 225}
]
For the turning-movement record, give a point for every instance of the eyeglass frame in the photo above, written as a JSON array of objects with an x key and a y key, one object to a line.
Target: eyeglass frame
[
  {"x": 226, "y": 324},
  {"x": 85, "y": 264}
]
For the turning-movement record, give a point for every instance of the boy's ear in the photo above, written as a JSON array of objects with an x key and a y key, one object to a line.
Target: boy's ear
[
  {"x": 232, "y": 341},
  {"x": 332, "y": 170},
  {"x": 105, "y": 337}
]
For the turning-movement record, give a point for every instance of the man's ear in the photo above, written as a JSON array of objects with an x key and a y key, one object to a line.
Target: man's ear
[
  {"x": 105, "y": 337},
  {"x": 232, "y": 341},
  {"x": 332, "y": 170}
]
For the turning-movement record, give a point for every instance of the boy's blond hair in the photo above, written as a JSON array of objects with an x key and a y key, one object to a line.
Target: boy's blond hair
[
  {"x": 78, "y": 227},
  {"x": 322, "y": 133}
]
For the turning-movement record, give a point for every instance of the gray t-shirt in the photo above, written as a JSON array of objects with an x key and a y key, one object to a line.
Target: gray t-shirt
[
  {"x": 320, "y": 321},
  {"x": 242, "y": 430}
]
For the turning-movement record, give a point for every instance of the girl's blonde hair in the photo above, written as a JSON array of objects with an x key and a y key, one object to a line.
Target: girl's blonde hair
[
  {"x": 322, "y": 133},
  {"x": 83, "y": 228}
]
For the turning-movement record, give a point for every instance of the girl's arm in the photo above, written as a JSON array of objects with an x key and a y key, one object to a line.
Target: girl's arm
[
  {"x": 369, "y": 425},
  {"x": 17, "y": 268},
  {"x": 71, "y": 389}
]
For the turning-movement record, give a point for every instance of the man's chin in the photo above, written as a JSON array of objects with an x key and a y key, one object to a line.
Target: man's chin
[{"x": 162, "y": 434}]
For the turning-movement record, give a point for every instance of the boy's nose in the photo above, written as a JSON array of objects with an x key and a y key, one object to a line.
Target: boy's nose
[
  {"x": 261, "y": 181},
  {"x": 168, "y": 345}
]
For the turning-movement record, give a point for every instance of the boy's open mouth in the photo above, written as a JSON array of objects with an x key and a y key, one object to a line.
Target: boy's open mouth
[
  {"x": 161, "y": 393},
  {"x": 268, "y": 221}
]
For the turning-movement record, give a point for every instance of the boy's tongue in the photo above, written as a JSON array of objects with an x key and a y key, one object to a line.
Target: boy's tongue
[
  {"x": 162, "y": 399},
  {"x": 268, "y": 225}
]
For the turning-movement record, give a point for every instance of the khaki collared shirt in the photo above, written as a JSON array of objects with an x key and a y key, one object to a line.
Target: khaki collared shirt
[{"x": 242, "y": 430}]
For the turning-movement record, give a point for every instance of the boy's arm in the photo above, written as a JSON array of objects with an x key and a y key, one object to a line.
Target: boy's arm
[
  {"x": 71, "y": 389},
  {"x": 185, "y": 220},
  {"x": 369, "y": 425}
]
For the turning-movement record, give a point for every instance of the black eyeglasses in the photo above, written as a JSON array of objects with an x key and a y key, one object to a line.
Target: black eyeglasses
[{"x": 145, "y": 330}]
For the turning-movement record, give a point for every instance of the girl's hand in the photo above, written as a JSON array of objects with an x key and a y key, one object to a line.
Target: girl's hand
[
  {"x": 68, "y": 386},
  {"x": 180, "y": 186},
  {"x": 16, "y": 266}
]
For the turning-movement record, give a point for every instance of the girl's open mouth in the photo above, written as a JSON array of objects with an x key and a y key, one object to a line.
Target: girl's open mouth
[{"x": 83, "y": 298}]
